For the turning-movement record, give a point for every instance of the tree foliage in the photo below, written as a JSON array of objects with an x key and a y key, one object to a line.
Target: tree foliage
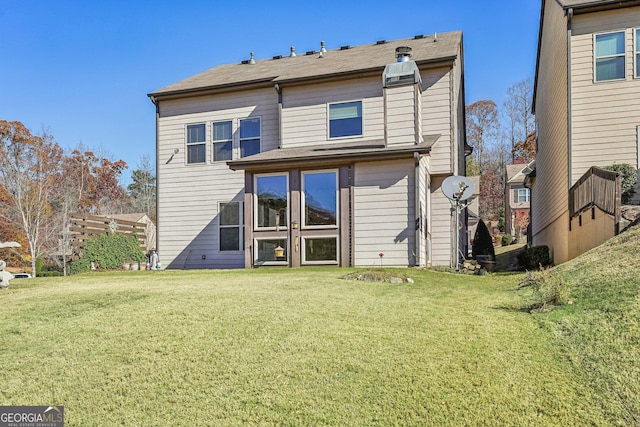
[
  {"x": 491, "y": 195},
  {"x": 143, "y": 188},
  {"x": 629, "y": 179},
  {"x": 483, "y": 129}
]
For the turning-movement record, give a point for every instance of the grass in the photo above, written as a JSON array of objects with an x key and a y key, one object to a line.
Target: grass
[{"x": 292, "y": 347}]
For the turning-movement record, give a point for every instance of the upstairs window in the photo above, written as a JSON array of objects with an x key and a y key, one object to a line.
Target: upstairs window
[
  {"x": 345, "y": 119},
  {"x": 222, "y": 141},
  {"x": 196, "y": 145},
  {"x": 249, "y": 137},
  {"x": 523, "y": 195},
  {"x": 609, "y": 56},
  {"x": 637, "y": 50}
]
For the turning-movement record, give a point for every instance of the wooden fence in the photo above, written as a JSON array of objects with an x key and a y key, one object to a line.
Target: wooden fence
[
  {"x": 87, "y": 227},
  {"x": 597, "y": 187}
]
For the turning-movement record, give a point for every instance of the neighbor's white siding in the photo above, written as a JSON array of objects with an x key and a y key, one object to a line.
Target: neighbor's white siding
[
  {"x": 188, "y": 195},
  {"x": 305, "y": 111},
  {"x": 384, "y": 195},
  {"x": 604, "y": 115}
]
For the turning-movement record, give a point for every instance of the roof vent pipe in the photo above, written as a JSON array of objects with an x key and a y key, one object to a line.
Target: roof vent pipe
[
  {"x": 403, "y": 53},
  {"x": 323, "y": 48},
  {"x": 251, "y": 60},
  {"x": 435, "y": 37},
  {"x": 293, "y": 52}
]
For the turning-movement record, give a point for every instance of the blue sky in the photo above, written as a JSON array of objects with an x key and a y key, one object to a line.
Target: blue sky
[{"x": 83, "y": 68}]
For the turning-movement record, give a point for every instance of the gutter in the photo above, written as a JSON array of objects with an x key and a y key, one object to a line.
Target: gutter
[
  {"x": 279, "y": 90},
  {"x": 569, "y": 121},
  {"x": 418, "y": 219}
]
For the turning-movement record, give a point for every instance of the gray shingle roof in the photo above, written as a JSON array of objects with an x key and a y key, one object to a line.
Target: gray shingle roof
[{"x": 354, "y": 60}]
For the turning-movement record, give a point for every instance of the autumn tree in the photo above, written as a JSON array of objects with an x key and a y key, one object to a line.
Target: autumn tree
[
  {"x": 30, "y": 170},
  {"x": 491, "y": 195},
  {"x": 143, "y": 188}
]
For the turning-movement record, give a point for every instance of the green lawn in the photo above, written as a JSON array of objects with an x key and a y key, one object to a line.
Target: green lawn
[{"x": 289, "y": 347}]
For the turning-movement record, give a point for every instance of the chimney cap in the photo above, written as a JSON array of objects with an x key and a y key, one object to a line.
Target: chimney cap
[{"x": 403, "y": 53}]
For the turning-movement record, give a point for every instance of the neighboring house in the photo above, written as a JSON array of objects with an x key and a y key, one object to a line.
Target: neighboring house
[
  {"x": 587, "y": 104},
  {"x": 517, "y": 199},
  {"x": 326, "y": 157}
]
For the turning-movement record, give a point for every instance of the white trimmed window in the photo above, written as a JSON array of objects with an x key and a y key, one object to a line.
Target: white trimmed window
[
  {"x": 196, "y": 143},
  {"x": 320, "y": 199},
  {"x": 231, "y": 227},
  {"x": 609, "y": 58},
  {"x": 271, "y": 201},
  {"x": 249, "y": 136},
  {"x": 222, "y": 137},
  {"x": 523, "y": 195},
  {"x": 637, "y": 52},
  {"x": 320, "y": 250},
  {"x": 345, "y": 119}
]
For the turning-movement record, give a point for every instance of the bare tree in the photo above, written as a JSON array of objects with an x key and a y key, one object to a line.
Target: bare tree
[
  {"x": 483, "y": 129},
  {"x": 143, "y": 188},
  {"x": 519, "y": 117}
]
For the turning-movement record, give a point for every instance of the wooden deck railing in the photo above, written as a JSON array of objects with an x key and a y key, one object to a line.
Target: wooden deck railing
[{"x": 597, "y": 187}]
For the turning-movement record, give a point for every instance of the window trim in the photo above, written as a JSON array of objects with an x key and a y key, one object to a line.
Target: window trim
[
  {"x": 328, "y": 262},
  {"x": 329, "y": 104},
  {"x": 285, "y": 247},
  {"x": 636, "y": 53},
  {"x": 220, "y": 141},
  {"x": 623, "y": 55},
  {"x": 240, "y": 226},
  {"x": 239, "y": 124},
  {"x": 303, "y": 199},
  {"x": 188, "y": 144},
  {"x": 255, "y": 202}
]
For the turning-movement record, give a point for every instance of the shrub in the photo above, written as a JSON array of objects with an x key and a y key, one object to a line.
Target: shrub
[
  {"x": 535, "y": 257},
  {"x": 507, "y": 239},
  {"x": 629, "y": 179},
  {"x": 39, "y": 265},
  {"x": 109, "y": 251},
  {"x": 482, "y": 242},
  {"x": 547, "y": 289}
]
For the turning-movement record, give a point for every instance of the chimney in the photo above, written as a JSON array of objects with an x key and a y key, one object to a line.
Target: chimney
[{"x": 402, "y": 88}]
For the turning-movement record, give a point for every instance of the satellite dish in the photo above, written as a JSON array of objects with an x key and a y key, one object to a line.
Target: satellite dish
[{"x": 457, "y": 188}]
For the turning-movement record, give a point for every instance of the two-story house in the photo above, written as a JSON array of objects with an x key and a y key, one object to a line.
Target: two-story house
[
  {"x": 330, "y": 157},
  {"x": 517, "y": 199},
  {"x": 586, "y": 102}
]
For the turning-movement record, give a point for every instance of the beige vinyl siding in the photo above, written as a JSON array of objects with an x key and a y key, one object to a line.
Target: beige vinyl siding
[
  {"x": 425, "y": 204},
  {"x": 189, "y": 195},
  {"x": 384, "y": 196},
  {"x": 436, "y": 116},
  {"x": 550, "y": 192},
  {"x": 304, "y": 110},
  {"x": 401, "y": 108},
  {"x": 605, "y": 115},
  {"x": 441, "y": 224}
]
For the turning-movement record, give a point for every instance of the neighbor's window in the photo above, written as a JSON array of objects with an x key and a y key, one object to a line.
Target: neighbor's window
[
  {"x": 271, "y": 251},
  {"x": 222, "y": 141},
  {"x": 609, "y": 57},
  {"x": 523, "y": 195},
  {"x": 345, "y": 119},
  {"x": 196, "y": 146},
  {"x": 320, "y": 198},
  {"x": 271, "y": 201},
  {"x": 231, "y": 231},
  {"x": 637, "y": 50},
  {"x": 320, "y": 250},
  {"x": 249, "y": 136}
]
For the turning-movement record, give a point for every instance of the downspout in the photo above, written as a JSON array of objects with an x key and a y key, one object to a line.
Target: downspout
[
  {"x": 418, "y": 221},
  {"x": 157, "y": 104},
  {"x": 279, "y": 90},
  {"x": 569, "y": 124}
]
